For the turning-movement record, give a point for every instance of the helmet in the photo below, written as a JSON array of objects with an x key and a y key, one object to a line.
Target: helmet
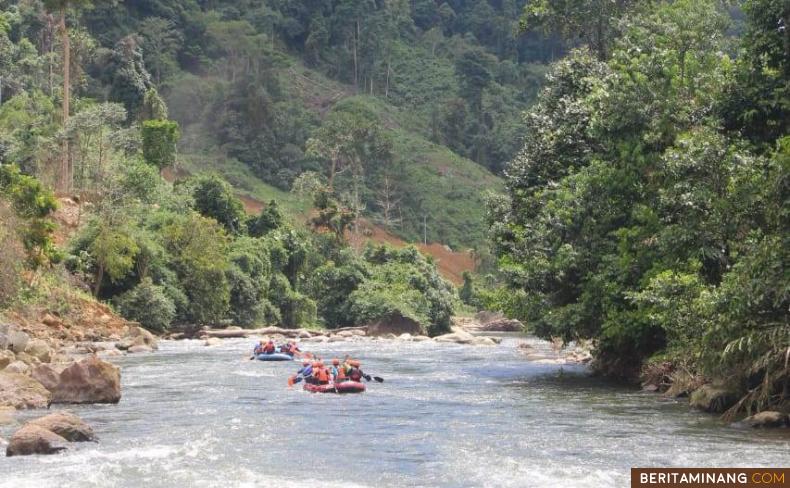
[
  {"x": 320, "y": 364},
  {"x": 305, "y": 363},
  {"x": 271, "y": 341},
  {"x": 336, "y": 361},
  {"x": 354, "y": 363}
]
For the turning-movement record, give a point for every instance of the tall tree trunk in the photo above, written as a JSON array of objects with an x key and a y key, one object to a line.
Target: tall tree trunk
[
  {"x": 356, "y": 66},
  {"x": 387, "y": 85},
  {"x": 332, "y": 171},
  {"x": 65, "y": 183}
]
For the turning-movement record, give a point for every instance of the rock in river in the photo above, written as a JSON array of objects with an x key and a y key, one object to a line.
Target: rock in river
[
  {"x": 767, "y": 419},
  {"x": 20, "y": 392},
  {"x": 32, "y": 439},
  {"x": 88, "y": 381},
  {"x": 66, "y": 425},
  {"x": 713, "y": 399}
]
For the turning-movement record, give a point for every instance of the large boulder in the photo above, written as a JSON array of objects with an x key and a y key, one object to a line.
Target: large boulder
[
  {"x": 32, "y": 439},
  {"x": 20, "y": 391},
  {"x": 767, "y": 419},
  {"x": 17, "y": 340},
  {"x": 395, "y": 323},
  {"x": 39, "y": 349},
  {"x": 17, "y": 367},
  {"x": 137, "y": 336},
  {"x": 90, "y": 380},
  {"x": 713, "y": 399},
  {"x": 6, "y": 358},
  {"x": 66, "y": 425},
  {"x": 457, "y": 337},
  {"x": 503, "y": 325},
  {"x": 47, "y": 374}
]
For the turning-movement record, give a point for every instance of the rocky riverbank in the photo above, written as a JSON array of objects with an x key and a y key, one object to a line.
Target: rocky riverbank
[{"x": 47, "y": 358}]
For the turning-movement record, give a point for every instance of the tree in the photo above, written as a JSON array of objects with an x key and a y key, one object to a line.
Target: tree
[
  {"x": 90, "y": 130},
  {"x": 147, "y": 304},
  {"x": 154, "y": 108},
  {"x": 114, "y": 251},
  {"x": 129, "y": 80},
  {"x": 32, "y": 204},
  {"x": 214, "y": 198},
  {"x": 161, "y": 42},
  {"x": 159, "y": 142},
  {"x": 61, "y": 7},
  {"x": 198, "y": 250},
  {"x": 269, "y": 219},
  {"x": 592, "y": 21}
]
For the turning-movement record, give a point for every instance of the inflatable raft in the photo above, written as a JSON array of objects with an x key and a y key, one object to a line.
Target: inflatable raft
[
  {"x": 276, "y": 356},
  {"x": 343, "y": 387}
]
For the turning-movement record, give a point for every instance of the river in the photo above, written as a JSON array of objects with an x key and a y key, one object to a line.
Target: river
[{"x": 447, "y": 415}]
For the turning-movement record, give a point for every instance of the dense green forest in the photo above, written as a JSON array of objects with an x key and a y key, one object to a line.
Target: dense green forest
[
  {"x": 630, "y": 157},
  {"x": 648, "y": 207},
  {"x": 261, "y": 88}
]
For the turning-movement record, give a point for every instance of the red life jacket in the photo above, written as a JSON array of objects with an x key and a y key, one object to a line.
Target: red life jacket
[
  {"x": 268, "y": 348},
  {"x": 355, "y": 374}
]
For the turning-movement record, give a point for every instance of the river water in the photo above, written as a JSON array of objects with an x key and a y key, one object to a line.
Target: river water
[{"x": 447, "y": 415}]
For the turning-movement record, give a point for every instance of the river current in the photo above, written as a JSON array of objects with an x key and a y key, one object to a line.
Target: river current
[{"x": 446, "y": 415}]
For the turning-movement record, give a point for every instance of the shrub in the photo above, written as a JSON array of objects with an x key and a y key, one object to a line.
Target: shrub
[
  {"x": 159, "y": 142},
  {"x": 147, "y": 304}
]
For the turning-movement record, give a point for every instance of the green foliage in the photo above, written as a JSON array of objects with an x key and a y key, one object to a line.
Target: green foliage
[
  {"x": 159, "y": 142},
  {"x": 198, "y": 247},
  {"x": 147, "y": 304},
  {"x": 592, "y": 21},
  {"x": 214, "y": 198},
  {"x": 333, "y": 285},
  {"x": 268, "y": 220},
  {"x": 114, "y": 251},
  {"x": 467, "y": 293},
  {"x": 32, "y": 204},
  {"x": 403, "y": 281},
  {"x": 633, "y": 219}
]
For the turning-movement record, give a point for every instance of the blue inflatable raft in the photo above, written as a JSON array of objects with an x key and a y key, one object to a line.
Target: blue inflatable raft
[{"x": 276, "y": 356}]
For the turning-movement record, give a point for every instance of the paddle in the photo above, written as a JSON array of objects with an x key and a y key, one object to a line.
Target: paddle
[{"x": 377, "y": 378}]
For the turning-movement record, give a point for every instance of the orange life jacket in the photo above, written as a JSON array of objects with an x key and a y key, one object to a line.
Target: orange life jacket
[{"x": 322, "y": 376}]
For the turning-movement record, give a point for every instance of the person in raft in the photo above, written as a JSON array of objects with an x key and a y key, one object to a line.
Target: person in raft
[
  {"x": 267, "y": 348},
  {"x": 337, "y": 371},
  {"x": 310, "y": 373},
  {"x": 355, "y": 372},
  {"x": 320, "y": 373},
  {"x": 290, "y": 348}
]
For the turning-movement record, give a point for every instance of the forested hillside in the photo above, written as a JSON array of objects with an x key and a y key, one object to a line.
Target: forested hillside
[
  {"x": 349, "y": 114},
  {"x": 426, "y": 89}
]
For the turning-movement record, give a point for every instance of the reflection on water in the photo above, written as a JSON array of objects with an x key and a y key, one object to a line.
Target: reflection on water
[{"x": 447, "y": 415}]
